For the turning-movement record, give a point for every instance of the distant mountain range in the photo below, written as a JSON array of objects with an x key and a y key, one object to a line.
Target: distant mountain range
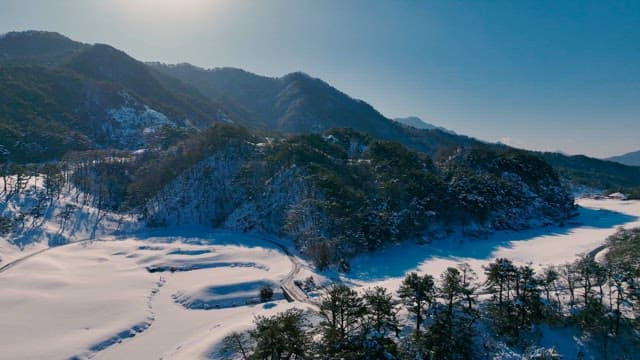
[
  {"x": 294, "y": 103},
  {"x": 418, "y": 123},
  {"x": 298, "y": 103},
  {"x": 58, "y": 95},
  {"x": 631, "y": 159}
]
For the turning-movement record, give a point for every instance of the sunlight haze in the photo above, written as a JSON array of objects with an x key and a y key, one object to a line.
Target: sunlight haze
[{"x": 547, "y": 75}]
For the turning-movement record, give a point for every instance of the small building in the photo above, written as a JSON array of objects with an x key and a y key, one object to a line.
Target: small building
[{"x": 617, "y": 196}]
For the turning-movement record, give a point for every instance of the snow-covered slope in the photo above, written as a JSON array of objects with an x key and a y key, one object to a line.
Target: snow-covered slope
[
  {"x": 211, "y": 193},
  {"x": 307, "y": 188},
  {"x": 131, "y": 124},
  {"x": 35, "y": 217},
  {"x": 205, "y": 194}
]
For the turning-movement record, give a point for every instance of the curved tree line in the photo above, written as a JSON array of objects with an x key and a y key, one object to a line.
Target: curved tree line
[{"x": 455, "y": 316}]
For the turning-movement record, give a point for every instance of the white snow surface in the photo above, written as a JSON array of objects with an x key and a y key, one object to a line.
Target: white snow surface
[
  {"x": 98, "y": 298},
  {"x": 128, "y": 124},
  {"x": 37, "y": 233},
  {"x": 538, "y": 247},
  {"x": 119, "y": 299},
  {"x": 71, "y": 299}
]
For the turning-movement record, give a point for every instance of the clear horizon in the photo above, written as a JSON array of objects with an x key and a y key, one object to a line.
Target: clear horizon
[{"x": 541, "y": 75}]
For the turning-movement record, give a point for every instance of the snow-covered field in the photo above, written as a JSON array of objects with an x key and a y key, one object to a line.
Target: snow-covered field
[
  {"x": 99, "y": 299},
  {"x": 69, "y": 299},
  {"x": 176, "y": 295}
]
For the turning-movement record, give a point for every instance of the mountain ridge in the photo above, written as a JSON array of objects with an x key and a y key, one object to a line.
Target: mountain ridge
[
  {"x": 76, "y": 97},
  {"x": 418, "y": 123},
  {"x": 631, "y": 158},
  {"x": 37, "y": 47},
  {"x": 122, "y": 103},
  {"x": 299, "y": 103}
]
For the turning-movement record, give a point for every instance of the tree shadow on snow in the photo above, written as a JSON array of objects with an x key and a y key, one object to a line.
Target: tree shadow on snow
[
  {"x": 397, "y": 260},
  {"x": 200, "y": 235}
]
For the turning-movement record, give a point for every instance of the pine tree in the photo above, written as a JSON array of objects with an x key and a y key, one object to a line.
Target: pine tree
[
  {"x": 469, "y": 285},
  {"x": 283, "y": 336},
  {"x": 266, "y": 293},
  {"x": 417, "y": 294},
  {"x": 342, "y": 310},
  {"x": 381, "y": 321},
  {"x": 236, "y": 344},
  {"x": 451, "y": 332},
  {"x": 499, "y": 275}
]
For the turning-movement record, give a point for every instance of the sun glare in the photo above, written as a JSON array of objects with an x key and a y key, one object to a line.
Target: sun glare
[{"x": 170, "y": 9}]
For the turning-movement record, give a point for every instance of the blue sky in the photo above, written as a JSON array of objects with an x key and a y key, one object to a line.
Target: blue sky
[{"x": 548, "y": 75}]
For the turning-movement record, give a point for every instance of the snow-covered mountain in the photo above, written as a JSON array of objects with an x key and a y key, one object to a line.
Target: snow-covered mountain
[
  {"x": 295, "y": 102},
  {"x": 298, "y": 103}
]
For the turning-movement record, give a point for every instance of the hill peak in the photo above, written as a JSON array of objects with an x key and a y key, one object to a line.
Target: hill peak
[
  {"x": 35, "y": 34},
  {"x": 298, "y": 75},
  {"x": 34, "y": 46},
  {"x": 420, "y": 124},
  {"x": 631, "y": 158}
]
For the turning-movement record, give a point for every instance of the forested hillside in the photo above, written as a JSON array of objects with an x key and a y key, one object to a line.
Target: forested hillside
[
  {"x": 299, "y": 103},
  {"x": 69, "y": 96},
  {"x": 335, "y": 194},
  {"x": 303, "y": 160},
  {"x": 98, "y": 97},
  {"x": 599, "y": 174}
]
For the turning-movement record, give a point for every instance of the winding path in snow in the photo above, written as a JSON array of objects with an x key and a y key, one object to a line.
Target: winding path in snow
[
  {"x": 292, "y": 290},
  {"x": 594, "y": 253},
  {"x": 19, "y": 260},
  {"x": 15, "y": 262}
]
